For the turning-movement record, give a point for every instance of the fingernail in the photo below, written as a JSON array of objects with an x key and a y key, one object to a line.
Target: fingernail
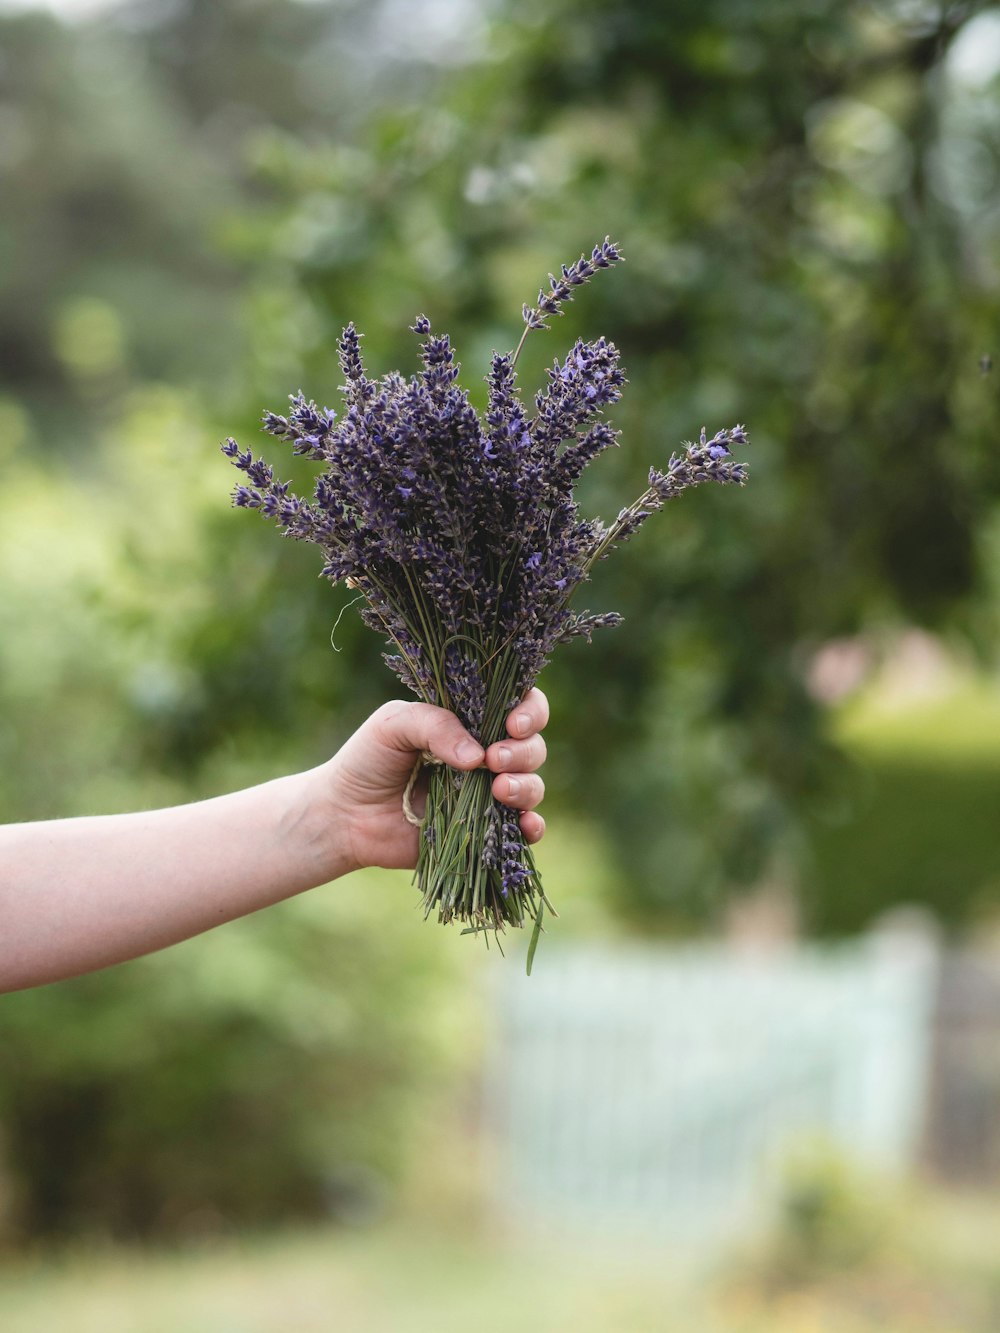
[
  {"x": 504, "y": 755},
  {"x": 467, "y": 751},
  {"x": 513, "y": 787},
  {"x": 523, "y": 723}
]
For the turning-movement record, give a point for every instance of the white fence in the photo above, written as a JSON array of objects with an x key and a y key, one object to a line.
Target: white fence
[{"x": 659, "y": 1089}]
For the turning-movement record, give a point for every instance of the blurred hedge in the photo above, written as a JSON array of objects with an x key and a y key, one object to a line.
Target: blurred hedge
[{"x": 275, "y": 1069}]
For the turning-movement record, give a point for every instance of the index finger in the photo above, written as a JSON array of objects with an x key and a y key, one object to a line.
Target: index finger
[{"x": 529, "y": 716}]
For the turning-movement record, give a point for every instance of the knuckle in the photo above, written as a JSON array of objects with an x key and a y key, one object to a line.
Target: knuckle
[
  {"x": 436, "y": 724},
  {"x": 389, "y": 714},
  {"x": 540, "y": 705},
  {"x": 392, "y": 708},
  {"x": 531, "y": 792},
  {"x": 533, "y": 826},
  {"x": 442, "y": 728}
]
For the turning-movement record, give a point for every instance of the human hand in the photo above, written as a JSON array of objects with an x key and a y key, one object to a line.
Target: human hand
[{"x": 366, "y": 778}]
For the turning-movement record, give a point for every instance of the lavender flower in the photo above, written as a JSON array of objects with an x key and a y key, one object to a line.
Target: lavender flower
[
  {"x": 465, "y": 539},
  {"x": 575, "y": 275}
]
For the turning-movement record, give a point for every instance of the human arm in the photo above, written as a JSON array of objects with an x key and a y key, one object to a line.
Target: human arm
[{"x": 80, "y": 894}]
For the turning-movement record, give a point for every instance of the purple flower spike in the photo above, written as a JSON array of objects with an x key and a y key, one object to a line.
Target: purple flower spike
[
  {"x": 573, "y": 275},
  {"x": 350, "y": 354}
]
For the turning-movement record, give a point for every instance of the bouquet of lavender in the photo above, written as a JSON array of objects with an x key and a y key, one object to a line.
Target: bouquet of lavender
[{"x": 465, "y": 540}]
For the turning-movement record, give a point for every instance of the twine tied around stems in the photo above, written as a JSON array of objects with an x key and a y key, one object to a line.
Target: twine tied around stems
[{"x": 425, "y": 757}]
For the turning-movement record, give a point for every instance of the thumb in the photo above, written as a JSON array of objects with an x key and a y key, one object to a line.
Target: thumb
[{"x": 414, "y": 727}]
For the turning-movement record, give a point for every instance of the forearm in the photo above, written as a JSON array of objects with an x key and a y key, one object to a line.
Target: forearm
[{"x": 79, "y": 894}]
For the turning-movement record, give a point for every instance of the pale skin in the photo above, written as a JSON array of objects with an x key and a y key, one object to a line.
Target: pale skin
[{"x": 81, "y": 894}]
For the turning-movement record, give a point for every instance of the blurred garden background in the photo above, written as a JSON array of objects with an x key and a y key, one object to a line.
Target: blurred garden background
[{"x": 774, "y": 794}]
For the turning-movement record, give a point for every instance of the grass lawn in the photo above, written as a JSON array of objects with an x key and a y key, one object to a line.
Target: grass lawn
[
  {"x": 943, "y": 1276},
  {"x": 387, "y": 1280}
]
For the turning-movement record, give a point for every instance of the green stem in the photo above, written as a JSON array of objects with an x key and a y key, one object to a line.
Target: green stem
[
  {"x": 612, "y": 534},
  {"x": 517, "y": 351}
]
